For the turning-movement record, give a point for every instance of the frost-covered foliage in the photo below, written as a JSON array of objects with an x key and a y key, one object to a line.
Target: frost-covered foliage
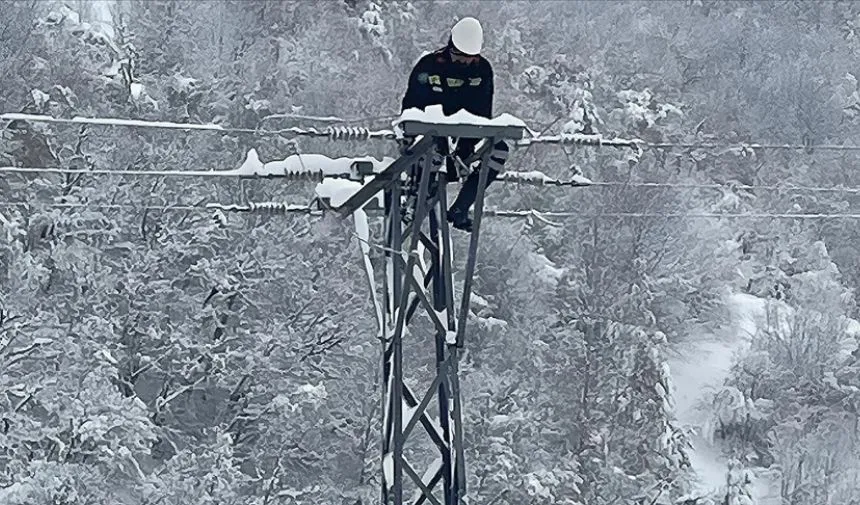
[
  {"x": 789, "y": 404},
  {"x": 184, "y": 359},
  {"x": 738, "y": 489}
]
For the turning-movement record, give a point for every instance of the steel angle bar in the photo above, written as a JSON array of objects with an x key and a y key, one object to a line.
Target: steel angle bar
[
  {"x": 425, "y": 420},
  {"x": 387, "y": 177},
  {"x": 459, "y": 487},
  {"x": 433, "y": 481},
  {"x": 472, "y": 258},
  {"x": 421, "y": 295},
  {"x": 422, "y": 407},
  {"x": 397, "y": 340},
  {"x": 429, "y": 244},
  {"x": 413, "y": 302},
  {"x": 425, "y": 491}
]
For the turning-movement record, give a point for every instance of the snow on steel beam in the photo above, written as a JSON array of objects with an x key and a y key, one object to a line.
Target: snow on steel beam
[
  {"x": 504, "y": 126},
  {"x": 413, "y": 122},
  {"x": 334, "y": 192}
]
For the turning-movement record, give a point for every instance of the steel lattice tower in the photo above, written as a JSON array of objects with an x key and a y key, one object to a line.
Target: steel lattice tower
[{"x": 421, "y": 275}]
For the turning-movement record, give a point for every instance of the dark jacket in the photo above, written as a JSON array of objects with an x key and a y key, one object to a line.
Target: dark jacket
[{"x": 437, "y": 80}]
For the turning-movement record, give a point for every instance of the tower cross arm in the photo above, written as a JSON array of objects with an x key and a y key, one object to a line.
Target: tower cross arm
[
  {"x": 475, "y": 131},
  {"x": 462, "y": 123},
  {"x": 384, "y": 179}
]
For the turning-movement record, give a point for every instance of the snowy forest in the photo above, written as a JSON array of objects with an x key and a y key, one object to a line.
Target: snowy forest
[{"x": 677, "y": 338}]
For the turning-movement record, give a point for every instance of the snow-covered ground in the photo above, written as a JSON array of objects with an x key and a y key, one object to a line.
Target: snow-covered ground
[{"x": 701, "y": 367}]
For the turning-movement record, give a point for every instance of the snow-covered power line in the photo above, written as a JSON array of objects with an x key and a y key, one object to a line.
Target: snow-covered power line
[
  {"x": 111, "y": 122},
  {"x": 104, "y": 206},
  {"x": 727, "y": 186},
  {"x": 313, "y": 167},
  {"x": 664, "y": 215},
  {"x": 328, "y": 119},
  {"x": 267, "y": 207},
  {"x": 751, "y": 146},
  {"x": 289, "y": 208},
  {"x": 362, "y": 133},
  {"x": 581, "y": 139},
  {"x": 538, "y": 178},
  {"x": 598, "y": 140},
  {"x": 330, "y": 132},
  {"x": 255, "y": 207},
  {"x": 312, "y": 175},
  {"x": 535, "y": 178}
]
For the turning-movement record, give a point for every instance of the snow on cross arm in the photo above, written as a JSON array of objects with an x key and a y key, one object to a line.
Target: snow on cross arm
[
  {"x": 433, "y": 114},
  {"x": 338, "y": 191}
]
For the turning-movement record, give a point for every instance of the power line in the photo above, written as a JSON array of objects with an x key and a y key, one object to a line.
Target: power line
[
  {"x": 286, "y": 208},
  {"x": 682, "y": 185},
  {"x": 361, "y": 133},
  {"x": 317, "y": 175},
  {"x": 752, "y": 146},
  {"x": 729, "y": 186},
  {"x": 259, "y": 207},
  {"x": 739, "y": 148},
  {"x": 330, "y": 132},
  {"x": 105, "y": 206},
  {"x": 663, "y": 215},
  {"x": 328, "y": 119}
]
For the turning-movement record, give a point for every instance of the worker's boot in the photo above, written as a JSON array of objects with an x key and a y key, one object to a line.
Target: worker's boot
[
  {"x": 458, "y": 214},
  {"x": 460, "y": 219}
]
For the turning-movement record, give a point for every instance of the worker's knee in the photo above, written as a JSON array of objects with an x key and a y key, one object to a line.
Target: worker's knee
[{"x": 498, "y": 156}]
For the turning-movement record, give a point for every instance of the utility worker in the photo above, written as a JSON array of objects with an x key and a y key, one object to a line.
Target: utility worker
[{"x": 458, "y": 78}]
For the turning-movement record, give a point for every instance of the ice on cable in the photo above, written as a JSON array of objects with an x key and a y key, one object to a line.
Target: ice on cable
[
  {"x": 252, "y": 164},
  {"x": 305, "y": 163},
  {"x": 531, "y": 177},
  {"x": 581, "y": 179},
  {"x": 539, "y": 178}
]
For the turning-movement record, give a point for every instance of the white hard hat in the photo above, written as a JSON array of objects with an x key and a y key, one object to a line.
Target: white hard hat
[{"x": 468, "y": 36}]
